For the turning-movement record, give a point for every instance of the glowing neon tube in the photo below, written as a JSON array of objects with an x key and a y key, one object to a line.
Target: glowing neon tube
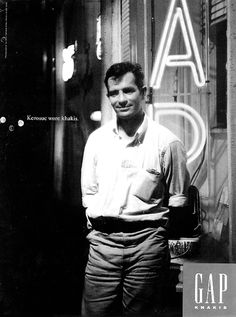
[
  {"x": 182, "y": 60},
  {"x": 199, "y": 130}
]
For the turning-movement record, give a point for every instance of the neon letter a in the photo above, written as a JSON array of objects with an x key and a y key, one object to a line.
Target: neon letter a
[{"x": 190, "y": 59}]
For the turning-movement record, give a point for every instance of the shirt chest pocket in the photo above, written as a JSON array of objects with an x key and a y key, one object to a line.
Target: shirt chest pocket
[{"x": 144, "y": 184}]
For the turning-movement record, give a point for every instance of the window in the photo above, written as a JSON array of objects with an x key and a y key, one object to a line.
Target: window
[
  {"x": 218, "y": 28},
  {"x": 221, "y": 74}
]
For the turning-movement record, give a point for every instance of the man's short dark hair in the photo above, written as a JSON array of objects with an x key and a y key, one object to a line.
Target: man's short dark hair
[{"x": 119, "y": 69}]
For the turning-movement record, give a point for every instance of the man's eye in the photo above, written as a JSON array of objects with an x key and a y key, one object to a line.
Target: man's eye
[
  {"x": 128, "y": 91},
  {"x": 113, "y": 93}
]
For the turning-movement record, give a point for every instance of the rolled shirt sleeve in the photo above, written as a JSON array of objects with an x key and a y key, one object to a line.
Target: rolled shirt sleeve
[{"x": 176, "y": 174}]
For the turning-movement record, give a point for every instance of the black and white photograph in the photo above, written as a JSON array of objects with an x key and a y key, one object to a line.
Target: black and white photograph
[{"x": 117, "y": 158}]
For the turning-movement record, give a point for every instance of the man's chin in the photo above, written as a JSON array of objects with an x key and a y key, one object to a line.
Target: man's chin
[
  {"x": 128, "y": 115},
  {"x": 124, "y": 116}
]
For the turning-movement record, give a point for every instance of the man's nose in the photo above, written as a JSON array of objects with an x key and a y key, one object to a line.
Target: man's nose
[{"x": 121, "y": 98}]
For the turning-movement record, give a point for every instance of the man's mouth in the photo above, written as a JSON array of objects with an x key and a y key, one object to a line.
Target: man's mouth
[{"x": 123, "y": 107}]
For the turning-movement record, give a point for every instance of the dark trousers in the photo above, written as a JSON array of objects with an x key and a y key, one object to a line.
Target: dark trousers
[{"x": 125, "y": 272}]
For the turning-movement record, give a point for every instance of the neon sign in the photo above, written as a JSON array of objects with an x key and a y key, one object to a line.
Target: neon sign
[
  {"x": 99, "y": 39},
  {"x": 68, "y": 65},
  {"x": 196, "y": 121},
  {"x": 190, "y": 59}
]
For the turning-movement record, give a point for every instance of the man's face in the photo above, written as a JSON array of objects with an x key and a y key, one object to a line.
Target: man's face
[{"x": 125, "y": 97}]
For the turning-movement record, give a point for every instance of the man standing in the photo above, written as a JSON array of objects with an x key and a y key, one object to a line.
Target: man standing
[{"x": 130, "y": 165}]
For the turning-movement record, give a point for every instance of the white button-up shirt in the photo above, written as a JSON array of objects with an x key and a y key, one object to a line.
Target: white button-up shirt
[{"x": 131, "y": 179}]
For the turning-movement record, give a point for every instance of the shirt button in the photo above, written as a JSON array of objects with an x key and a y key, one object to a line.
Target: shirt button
[{"x": 122, "y": 209}]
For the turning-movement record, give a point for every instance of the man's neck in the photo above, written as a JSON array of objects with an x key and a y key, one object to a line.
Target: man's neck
[{"x": 128, "y": 128}]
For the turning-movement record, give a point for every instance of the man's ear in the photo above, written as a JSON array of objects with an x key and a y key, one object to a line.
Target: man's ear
[{"x": 144, "y": 90}]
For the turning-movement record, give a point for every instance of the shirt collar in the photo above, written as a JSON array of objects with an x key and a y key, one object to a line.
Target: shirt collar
[{"x": 140, "y": 133}]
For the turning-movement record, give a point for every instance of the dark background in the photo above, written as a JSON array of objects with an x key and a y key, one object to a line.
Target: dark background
[{"x": 42, "y": 244}]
